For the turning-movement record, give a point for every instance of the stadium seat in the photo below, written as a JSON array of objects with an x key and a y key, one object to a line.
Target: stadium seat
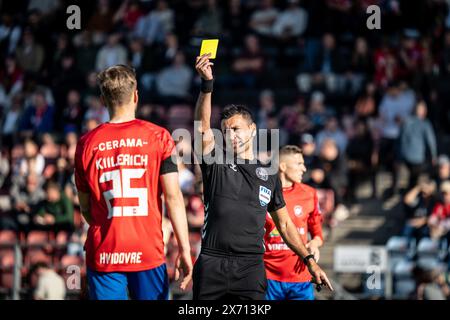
[
  {"x": 37, "y": 238},
  {"x": 428, "y": 248},
  {"x": 7, "y": 237},
  {"x": 404, "y": 269},
  {"x": 69, "y": 260},
  {"x": 404, "y": 288},
  {"x": 6, "y": 280},
  {"x": 399, "y": 248},
  {"x": 397, "y": 243},
  {"x": 34, "y": 256},
  {"x": 7, "y": 260}
]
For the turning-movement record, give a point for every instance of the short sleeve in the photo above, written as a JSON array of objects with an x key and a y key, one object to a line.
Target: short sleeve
[
  {"x": 167, "y": 144},
  {"x": 315, "y": 219},
  {"x": 80, "y": 174},
  {"x": 277, "y": 201}
]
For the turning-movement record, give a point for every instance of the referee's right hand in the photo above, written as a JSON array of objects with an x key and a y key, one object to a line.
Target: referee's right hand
[
  {"x": 319, "y": 276},
  {"x": 203, "y": 66}
]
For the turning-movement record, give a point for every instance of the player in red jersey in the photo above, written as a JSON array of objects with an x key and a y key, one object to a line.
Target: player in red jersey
[
  {"x": 288, "y": 277},
  {"x": 121, "y": 169}
]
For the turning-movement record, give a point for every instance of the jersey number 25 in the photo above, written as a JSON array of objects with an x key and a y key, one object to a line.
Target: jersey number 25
[{"x": 122, "y": 191}]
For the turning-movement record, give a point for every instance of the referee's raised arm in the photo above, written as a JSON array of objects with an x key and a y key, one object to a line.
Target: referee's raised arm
[{"x": 203, "y": 106}]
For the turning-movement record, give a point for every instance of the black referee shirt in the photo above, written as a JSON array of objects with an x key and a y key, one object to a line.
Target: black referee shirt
[{"x": 237, "y": 198}]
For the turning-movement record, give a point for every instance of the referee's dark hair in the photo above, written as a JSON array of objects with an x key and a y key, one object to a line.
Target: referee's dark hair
[{"x": 236, "y": 109}]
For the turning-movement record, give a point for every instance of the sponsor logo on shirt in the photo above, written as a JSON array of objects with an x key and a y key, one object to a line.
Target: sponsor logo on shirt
[
  {"x": 298, "y": 210},
  {"x": 120, "y": 258},
  {"x": 122, "y": 143},
  {"x": 262, "y": 174},
  {"x": 277, "y": 247},
  {"x": 264, "y": 195},
  {"x": 274, "y": 233}
]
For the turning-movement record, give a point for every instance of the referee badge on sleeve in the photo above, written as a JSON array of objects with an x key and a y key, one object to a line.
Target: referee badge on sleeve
[{"x": 264, "y": 196}]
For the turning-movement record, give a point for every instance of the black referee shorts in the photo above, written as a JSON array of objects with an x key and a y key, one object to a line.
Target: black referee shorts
[{"x": 218, "y": 277}]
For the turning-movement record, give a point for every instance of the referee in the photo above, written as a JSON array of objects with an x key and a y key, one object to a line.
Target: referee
[{"x": 237, "y": 196}]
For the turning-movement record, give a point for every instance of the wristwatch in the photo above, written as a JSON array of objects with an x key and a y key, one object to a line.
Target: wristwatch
[{"x": 310, "y": 256}]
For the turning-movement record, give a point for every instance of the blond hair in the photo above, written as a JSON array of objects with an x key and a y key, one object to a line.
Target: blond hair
[
  {"x": 290, "y": 150},
  {"x": 117, "y": 85}
]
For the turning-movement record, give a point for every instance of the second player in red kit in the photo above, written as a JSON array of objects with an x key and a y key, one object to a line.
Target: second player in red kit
[{"x": 288, "y": 277}]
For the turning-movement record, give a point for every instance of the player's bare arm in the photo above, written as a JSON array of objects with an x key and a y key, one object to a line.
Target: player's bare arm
[
  {"x": 177, "y": 214},
  {"x": 85, "y": 206},
  {"x": 203, "y": 106},
  {"x": 290, "y": 235},
  {"x": 313, "y": 247}
]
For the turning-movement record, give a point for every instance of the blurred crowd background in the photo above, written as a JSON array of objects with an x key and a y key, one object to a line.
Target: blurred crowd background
[{"x": 359, "y": 102}]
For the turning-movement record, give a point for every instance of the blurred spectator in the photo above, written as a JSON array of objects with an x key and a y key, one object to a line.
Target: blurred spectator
[
  {"x": 195, "y": 209},
  {"x": 335, "y": 170},
  {"x": 4, "y": 168},
  {"x": 30, "y": 55},
  {"x": 55, "y": 212},
  {"x": 263, "y": 19},
  {"x": 235, "y": 20},
  {"x": 443, "y": 169},
  {"x": 11, "y": 120},
  {"x": 386, "y": 65},
  {"x": 360, "y": 159},
  {"x": 66, "y": 79},
  {"x": 291, "y": 22},
  {"x": 365, "y": 106},
  {"x": 50, "y": 150},
  {"x": 111, "y": 54},
  {"x": 46, "y": 7},
  {"x": 174, "y": 82},
  {"x": 317, "y": 111},
  {"x": 439, "y": 221},
  {"x": 322, "y": 69},
  {"x": 101, "y": 22},
  {"x": 249, "y": 65},
  {"x": 33, "y": 161},
  {"x": 333, "y": 132},
  {"x": 91, "y": 88},
  {"x": 410, "y": 55},
  {"x": 430, "y": 283},
  {"x": 446, "y": 53},
  {"x": 10, "y": 33},
  {"x": 185, "y": 176},
  {"x": 25, "y": 200},
  {"x": 50, "y": 285},
  {"x": 86, "y": 52},
  {"x": 360, "y": 68},
  {"x": 396, "y": 105},
  {"x": 38, "y": 118},
  {"x": 266, "y": 107},
  {"x": 11, "y": 80},
  {"x": 128, "y": 14},
  {"x": 419, "y": 203},
  {"x": 308, "y": 150},
  {"x": 72, "y": 116},
  {"x": 153, "y": 27},
  {"x": 416, "y": 138},
  {"x": 210, "y": 21},
  {"x": 96, "y": 111}
]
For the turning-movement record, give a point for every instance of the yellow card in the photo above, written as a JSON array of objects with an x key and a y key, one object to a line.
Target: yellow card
[{"x": 209, "y": 46}]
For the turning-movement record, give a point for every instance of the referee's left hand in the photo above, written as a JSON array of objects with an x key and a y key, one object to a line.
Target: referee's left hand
[
  {"x": 184, "y": 267},
  {"x": 319, "y": 276}
]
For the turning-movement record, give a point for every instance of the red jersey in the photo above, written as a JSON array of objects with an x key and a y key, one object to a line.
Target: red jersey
[
  {"x": 118, "y": 164},
  {"x": 282, "y": 264}
]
